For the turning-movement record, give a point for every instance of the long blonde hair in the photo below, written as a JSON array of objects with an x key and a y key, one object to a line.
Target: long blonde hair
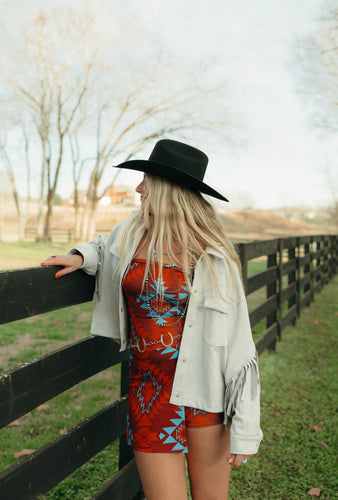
[{"x": 174, "y": 214}]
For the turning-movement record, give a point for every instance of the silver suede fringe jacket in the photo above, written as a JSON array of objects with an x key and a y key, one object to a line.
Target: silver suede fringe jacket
[{"x": 217, "y": 367}]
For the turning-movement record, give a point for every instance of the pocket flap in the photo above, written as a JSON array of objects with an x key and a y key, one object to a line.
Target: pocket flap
[{"x": 218, "y": 304}]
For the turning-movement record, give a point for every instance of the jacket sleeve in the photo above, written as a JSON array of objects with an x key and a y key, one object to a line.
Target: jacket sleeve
[
  {"x": 94, "y": 251},
  {"x": 242, "y": 384},
  {"x": 93, "y": 256}
]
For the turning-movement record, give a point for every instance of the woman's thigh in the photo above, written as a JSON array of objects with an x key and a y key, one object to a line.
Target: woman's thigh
[
  {"x": 162, "y": 475},
  {"x": 209, "y": 471}
]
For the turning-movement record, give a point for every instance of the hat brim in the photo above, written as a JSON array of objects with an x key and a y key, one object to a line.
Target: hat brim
[{"x": 172, "y": 174}]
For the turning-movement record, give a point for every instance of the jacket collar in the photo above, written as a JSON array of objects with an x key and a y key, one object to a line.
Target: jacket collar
[{"x": 212, "y": 251}]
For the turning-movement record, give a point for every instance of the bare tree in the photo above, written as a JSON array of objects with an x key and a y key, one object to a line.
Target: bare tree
[
  {"x": 93, "y": 98},
  {"x": 316, "y": 78},
  {"x": 330, "y": 178},
  {"x": 52, "y": 91},
  {"x": 9, "y": 167},
  {"x": 10, "y": 172},
  {"x": 144, "y": 114},
  {"x": 78, "y": 165}
]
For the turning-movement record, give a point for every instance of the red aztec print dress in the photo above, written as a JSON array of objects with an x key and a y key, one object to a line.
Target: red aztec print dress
[{"x": 154, "y": 424}]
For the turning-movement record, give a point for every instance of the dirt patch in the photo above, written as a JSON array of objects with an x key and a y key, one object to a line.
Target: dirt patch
[{"x": 7, "y": 351}]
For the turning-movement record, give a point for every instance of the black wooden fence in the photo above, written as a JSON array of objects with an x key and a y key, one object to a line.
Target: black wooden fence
[{"x": 296, "y": 269}]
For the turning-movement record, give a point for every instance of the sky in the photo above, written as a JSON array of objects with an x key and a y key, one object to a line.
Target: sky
[
  {"x": 278, "y": 162},
  {"x": 279, "y": 165}
]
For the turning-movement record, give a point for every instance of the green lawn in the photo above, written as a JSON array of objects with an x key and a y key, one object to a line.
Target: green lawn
[
  {"x": 16, "y": 255},
  {"x": 299, "y": 402}
]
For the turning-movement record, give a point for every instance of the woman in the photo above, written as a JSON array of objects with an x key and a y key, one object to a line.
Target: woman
[{"x": 168, "y": 285}]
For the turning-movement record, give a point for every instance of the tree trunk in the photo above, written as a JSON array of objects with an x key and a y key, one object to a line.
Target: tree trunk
[
  {"x": 84, "y": 222},
  {"x": 48, "y": 218},
  {"x": 77, "y": 224},
  {"x": 45, "y": 160},
  {"x": 21, "y": 217},
  {"x": 86, "y": 214},
  {"x": 10, "y": 173},
  {"x": 92, "y": 221},
  {"x": 22, "y": 225},
  {"x": 39, "y": 236},
  {"x": 88, "y": 220}
]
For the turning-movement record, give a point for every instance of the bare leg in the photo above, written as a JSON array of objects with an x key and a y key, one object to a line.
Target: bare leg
[
  {"x": 162, "y": 475},
  {"x": 208, "y": 470}
]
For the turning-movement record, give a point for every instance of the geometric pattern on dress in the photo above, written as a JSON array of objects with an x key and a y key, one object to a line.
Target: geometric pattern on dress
[
  {"x": 154, "y": 424},
  {"x": 130, "y": 434},
  {"x": 148, "y": 392},
  {"x": 169, "y": 350},
  {"x": 162, "y": 311},
  {"x": 196, "y": 411},
  {"x": 176, "y": 434}
]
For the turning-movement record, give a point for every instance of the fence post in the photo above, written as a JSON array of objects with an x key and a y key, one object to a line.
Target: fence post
[
  {"x": 298, "y": 276},
  {"x": 272, "y": 290},
  {"x": 292, "y": 279},
  {"x": 312, "y": 269},
  {"x": 307, "y": 267},
  {"x": 280, "y": 288},
  {"x": 326, "y": 261},
  {"x": 334, "y": 254},
  {"x": 243, "y": 256},
  {"x": 331, "y": 258},
  {"x": 125, "y": 451},
  {"x": 317, "y": 265}
]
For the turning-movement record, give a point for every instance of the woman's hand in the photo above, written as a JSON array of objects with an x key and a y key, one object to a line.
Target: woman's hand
[
  {"x": 70, "y": 263},
  {"x": 237, "y": 460}
]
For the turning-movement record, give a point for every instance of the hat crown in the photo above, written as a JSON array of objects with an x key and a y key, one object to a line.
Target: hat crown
[{"x": 180, "y": 156}]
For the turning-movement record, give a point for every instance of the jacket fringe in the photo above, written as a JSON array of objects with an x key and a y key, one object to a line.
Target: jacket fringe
[
  {"x": 99, "y": 241},
  {"x": 235, "y": 387}
]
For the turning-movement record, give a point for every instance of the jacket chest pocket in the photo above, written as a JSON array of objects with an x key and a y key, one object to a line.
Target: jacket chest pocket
[{"x": 216, "y": 320}]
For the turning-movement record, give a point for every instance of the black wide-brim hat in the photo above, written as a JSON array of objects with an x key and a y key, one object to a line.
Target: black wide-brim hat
[{"x": 177, "y": 162}]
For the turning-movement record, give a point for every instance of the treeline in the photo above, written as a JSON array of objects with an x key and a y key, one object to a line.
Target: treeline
[{"x": 84, "y": 89}]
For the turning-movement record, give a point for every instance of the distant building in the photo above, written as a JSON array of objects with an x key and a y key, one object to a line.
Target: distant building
[
  {"x": 118, "y": 194},
  {"x": 81, "y": 197}
]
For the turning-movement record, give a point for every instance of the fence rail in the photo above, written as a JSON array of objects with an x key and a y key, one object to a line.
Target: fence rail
[
  {"x": 297, "y": 268},
  {"x": 58, "y": 233}
]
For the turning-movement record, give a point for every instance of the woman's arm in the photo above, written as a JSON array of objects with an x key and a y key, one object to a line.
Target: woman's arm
[
  {"x": 71, "y": 262},
  {"x": 86, "y": 256}
]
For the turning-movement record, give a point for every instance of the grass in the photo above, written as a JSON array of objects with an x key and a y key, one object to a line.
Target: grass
[
  {"x": 299, "y": 390},
  {"x": 299, "y": 401},
  {"x": 63, "y": 324},
  {"x": 16, "y": 255}
]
